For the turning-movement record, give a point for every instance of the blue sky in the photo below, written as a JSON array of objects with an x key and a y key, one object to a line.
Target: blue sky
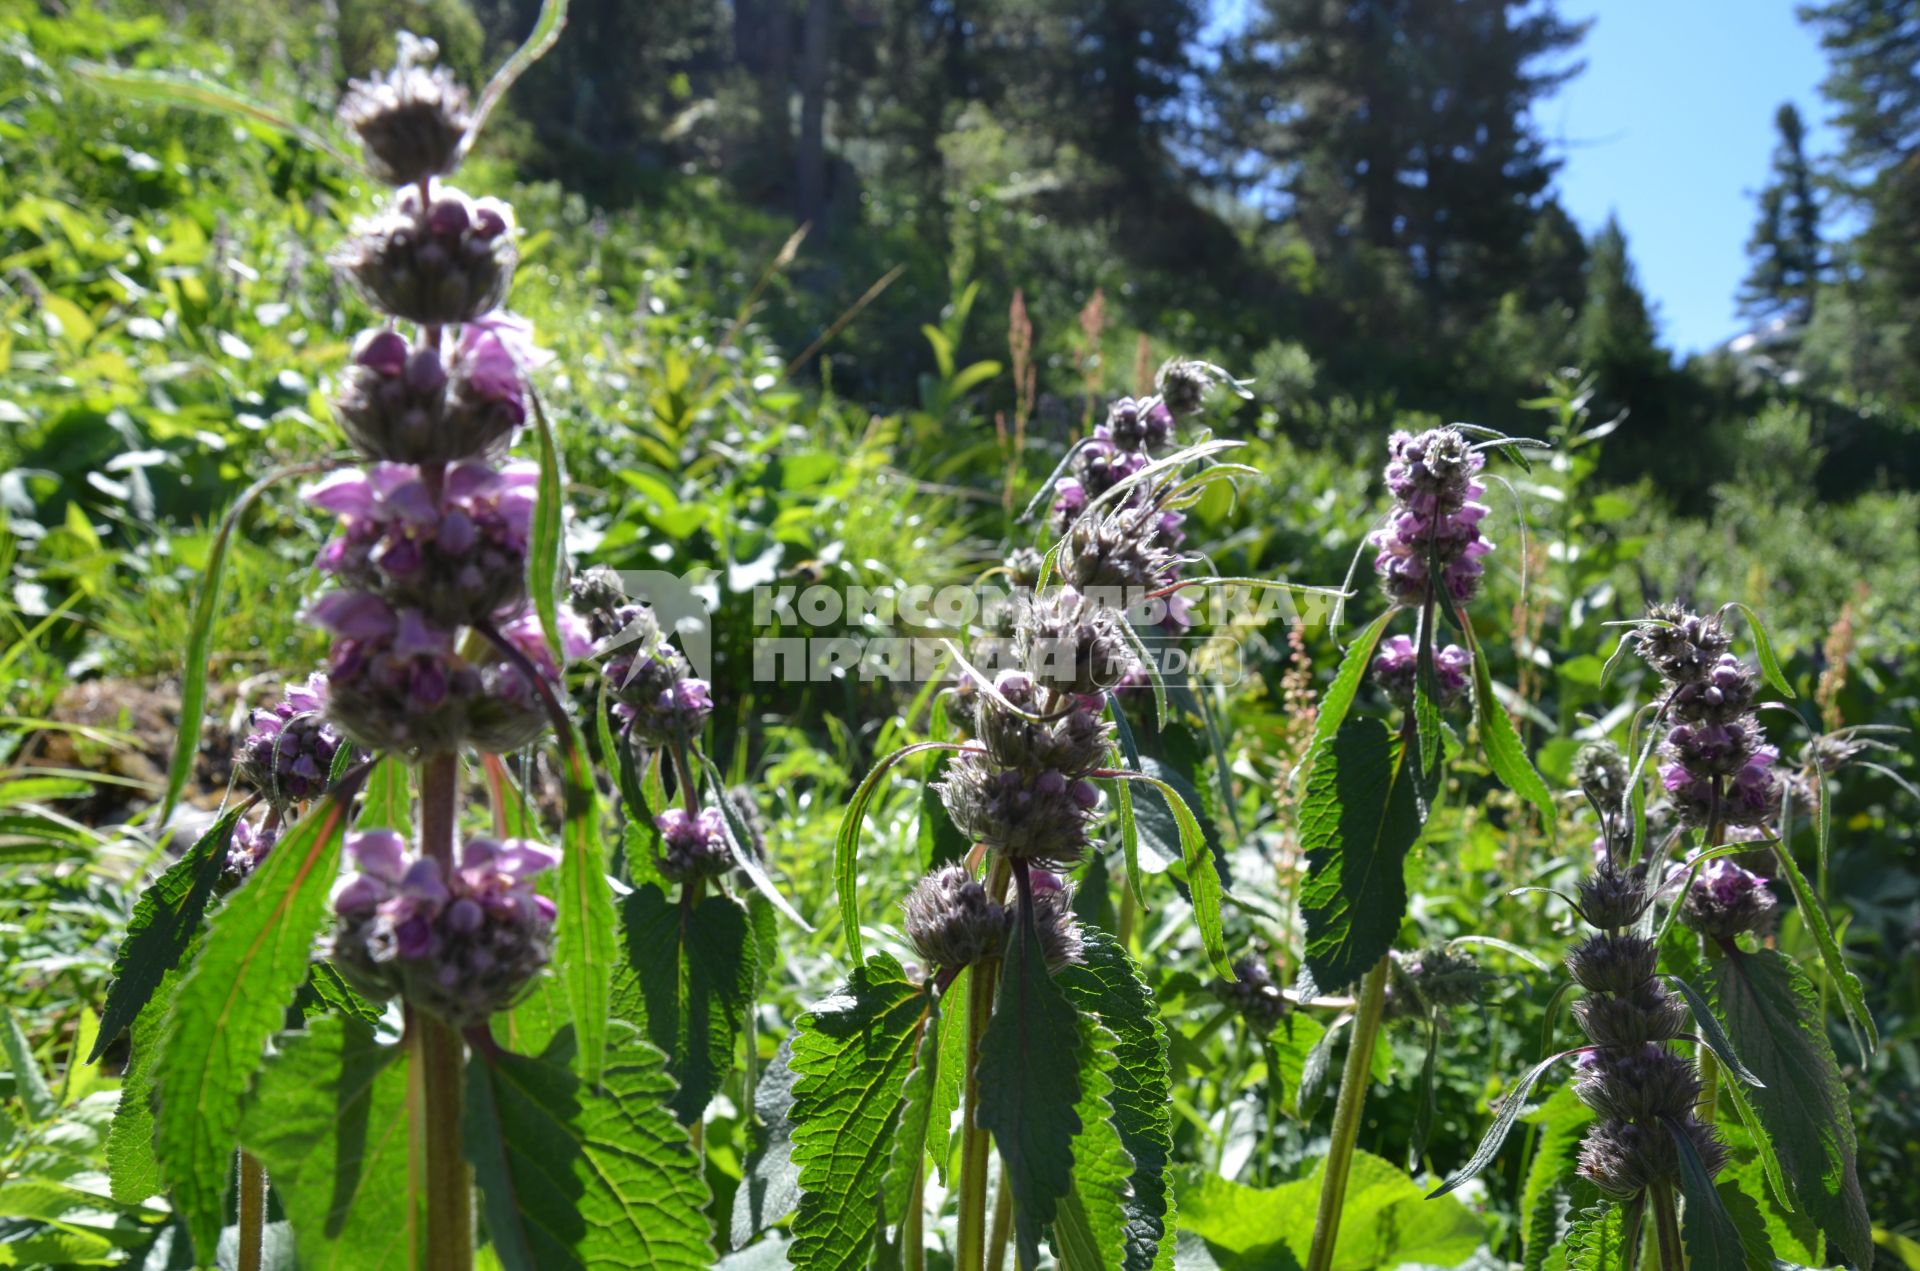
[{"x": 1671, "y": 127}]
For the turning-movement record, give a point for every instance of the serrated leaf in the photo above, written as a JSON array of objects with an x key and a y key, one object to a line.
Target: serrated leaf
[
  {"x": 252, "y": 961},
  {"x": 165, "y": 920},
  {"x": 1853, "y": 998},
  {"x": 1707, "y": 1231},
  {"x": 133, "y": 1173},
  {"x": 573, "y": 1175},
  {"x": 851, "y": 1056},
  {"x": 690, "y": 987},
  {"x": 900, "y": 1189},
  {"x": 329, "y": 1119},
  {"x": 1793, "y": 1236},
  {"x": 1506, "y": 753},
  {"x": 1598, "y": 1240},
  {"x": 1030, "y": 1062},
  {"x": 1553, "y": 1188},
  {"x": 1091, "y": 1229},
  {"x": 956, "y": 1008},
  {"x": 1203, "y": 876},
  {"x": 546, "y": 543},
  {"x": 1107, "y": 985},
  {"x": 1358, "y": 818},
  {"x": 1772, "y": 1012},
  {"x": 1338, "y": 699},
  {"x": 1511, "y": 1105},
  {"x": 586, "y": 943},
  {"x": 770, "y": 1186}
]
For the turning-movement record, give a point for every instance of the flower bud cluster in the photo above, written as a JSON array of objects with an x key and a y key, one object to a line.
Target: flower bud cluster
[
  {"x": 1023, "y": 786},
  {"x": 1725, "y": 900},
  {"x": 1643, "y": 1092},
  {"x": 1118, "y": 449},
  {"x": 1070, "y": 643},
  {"x": 291, "y": 749},
  {"x": 249, "y": 846},
  {"x": 692, "y": 846},
  {"x": 434, "y": 533},
  {"x": 1396, "y": 669},
  {"x": 1436, "y": 516},
  {"x": 953, "y": 922},
  {"x": 1718, "y": 768},
  {"x": 1253, "y": 995},
  {"x": 461, "y": 944},
  {"x": 656, "y": 696},
  {"x": 1434, "y": 979}
]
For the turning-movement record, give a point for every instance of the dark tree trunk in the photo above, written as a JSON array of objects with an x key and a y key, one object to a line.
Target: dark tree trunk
[{"x": 810, "y": 156}]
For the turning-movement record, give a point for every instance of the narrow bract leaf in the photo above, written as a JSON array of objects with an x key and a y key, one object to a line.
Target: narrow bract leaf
[
  {"x": 1853, "y": 998},
  {"x": 1506, "y": 754},
  {"x": 1711, "y": 1033},
  {"x": 846, "y": 846},
  {"x": 254, "y": 958},
  {"x": 1763, "y": 648},
  {"x": 1203, "y": 877},
  {"x": 577, "y": 1176},
  {"x": 690, "y": 986},
  {"x": 1338, "y": 698},
  {"x": 1357, "y": 821},
  {"x": 165, "y": 920},
  {"x": 1772, "y": 1012},
  {"x": 546, "y": 550},
  {"x": 585, "y": 944},
  {"x": 29, "y": 1083},
  {"x": 739, "y": 836},
  {"x": 329, "y": 1120},
  {"x": 955, "y": 1009},
  {"x": 171, "y": 88},
  {"x": 852, "y": 1054},
  {"x": 1511, "y": 1105}
]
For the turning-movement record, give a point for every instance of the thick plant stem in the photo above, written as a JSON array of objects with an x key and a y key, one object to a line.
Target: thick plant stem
[
  {"x": 437, "y": 1061},
  {"x": 913, "y": 1239},
  {"x": 1002, "y": 1234},
  {"x": 1346, "y": 1115},
  {"x": 1666, "y": 1226},
  {"x": 975, "y": 1143},
  {"x": 253, "y": 1213}
]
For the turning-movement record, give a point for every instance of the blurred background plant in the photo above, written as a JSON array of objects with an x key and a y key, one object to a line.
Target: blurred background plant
[{"x": 846, "y": 407}]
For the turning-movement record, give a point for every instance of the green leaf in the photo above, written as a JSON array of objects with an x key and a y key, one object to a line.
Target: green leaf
[
  {"x": 171, "y": 88},
  {"x": 1151, "y": 665},
  {"x": 29, "y": 1083},
  {"x": 388, "y": 803},
  {"x": 846, "y": 846},
  {"x": 165, "y": 920},
  {"x": 1511, "y": 1105},
  {"x": 252, "y": 962},
  {"x": 1030, "y": 1088},
  {"x": 1386, "y": 1222},
  {"x": 690, "y": 987},
  {"x": 1853, "y": 998},
  {"x": 1506, "y": 754},
  {"x": 586, "y": 943},
  {"x": 206, "y": 604},
  {"x": 851, "y": 1055},
  {"x": 1091, "y": 1232},
  {"x": 1772, "y": 1011},
  {"x": 1706, "y": 1229},
  {"x": 546, "y": 29},
  {"x": 1711, "y": 1033},
  {"x": 546, "y": 550},
  {"x": 1357, "y": 821},
  {"x": 1553, "y": 1187},
  {"x": 770, "y": 1185},
  {"x": 1290, "y": 1050},
  {"x": 1598, "y": 1240},
  {"x": 1203, "y": 877},
  {"x": 1765, "y": 1158},
  {"x": 1763, "y": 647},
  {"x": 132, "y": 1170},
  {"x": 1338, "y": 699},
  {"x": 1426, "y": 710},
  {"x": 906, "y": 1164},
  {"x": 955, "y": 1009},
  {"x": 329, "y": 1119},
  {"x": 574, "y": 1175},
  {"x": 1792, "y": 1235},
  {"x": 1107, "y": 985}
]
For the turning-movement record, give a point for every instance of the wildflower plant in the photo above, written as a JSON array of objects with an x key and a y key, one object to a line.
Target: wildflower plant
[
  {"x": 1704, "y": 1044},
  {"x": 386, "y": 1044},
  {"x": 1018, "y": 1013}
]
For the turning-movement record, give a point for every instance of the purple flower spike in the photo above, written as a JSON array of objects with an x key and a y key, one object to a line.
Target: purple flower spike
[
  {"x": 290, "y": 751},
  {"x": 1431, "y": 477}
]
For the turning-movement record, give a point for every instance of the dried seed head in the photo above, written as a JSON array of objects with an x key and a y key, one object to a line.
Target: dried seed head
[
  {"x": 1071, "y": 644},
  {"x": 1021, "y": 813},
  {"x": 1612, "y": 898},
  {"x": 440, "y": 265},
  {"x": 1680, "y": 645},
  {"x": 1183, "y": 383},
  {"x": 411, "y": 119},
  {"x": 952, "y": 922},
  {"x": 1624, "y": 1158},
  {"x": 1443, "y": 978},
  {"x": 1613, "y": 963},
  {"x": 1123, "y": 552},
  {"x": 1642, "y": 1083},
  {"x": 1646, "y": 1014},
  {"x": 1253, "y": 994}
]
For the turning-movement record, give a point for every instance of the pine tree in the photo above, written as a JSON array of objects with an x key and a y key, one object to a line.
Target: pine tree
[{"x": 1788, "y": 258}]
